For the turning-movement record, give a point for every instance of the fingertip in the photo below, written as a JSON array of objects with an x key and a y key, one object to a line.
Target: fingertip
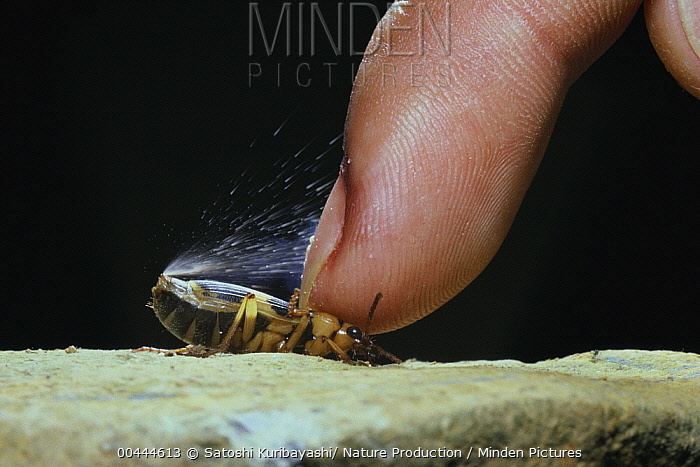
[
  {"x": 674, "y": 30},
  {"x": 438, "y": 172}
]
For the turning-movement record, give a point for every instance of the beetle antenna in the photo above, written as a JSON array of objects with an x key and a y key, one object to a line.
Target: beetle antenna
[
  {"x": 371, "y": 350},
  {"x": 387, "y": 355},
  {"x": 373, "y": 308}
]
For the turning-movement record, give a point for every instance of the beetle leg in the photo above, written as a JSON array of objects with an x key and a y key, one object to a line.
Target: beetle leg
[
  {"x": 293, "y": 301},
  {"x": 190, "y": 350},
  {"x": 336, "y": 349},
  {"x": 163, "y": 351},
  {"x": 251, "y": 316},
  {"x": 226, "y": 342},
  {"x": 294, "y": 337},
  {"x": 297, "y": 313}
]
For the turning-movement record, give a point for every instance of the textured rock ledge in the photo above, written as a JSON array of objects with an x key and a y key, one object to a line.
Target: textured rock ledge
[{"x": 77, "y": 408}]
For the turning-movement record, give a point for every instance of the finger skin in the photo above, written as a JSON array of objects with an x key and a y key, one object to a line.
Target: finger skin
[
  {"x": 677, "y": 40},
  {"x": 435, "y": 172}
]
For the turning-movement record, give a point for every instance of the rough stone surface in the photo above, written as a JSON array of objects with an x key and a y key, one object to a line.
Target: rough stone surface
[{"x": 78, "y": 406}]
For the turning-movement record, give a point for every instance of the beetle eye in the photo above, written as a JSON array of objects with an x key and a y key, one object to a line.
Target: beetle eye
[{"x": 355, "y": 332}]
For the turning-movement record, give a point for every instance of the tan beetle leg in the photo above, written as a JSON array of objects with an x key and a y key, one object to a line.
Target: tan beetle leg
[
  {"x": 338, "y": 351},
  {"x": 297, "y": 313},
  {"x": 297, "y": 333},
  {"x": 293, "y": 301},
  {"x": 253, "y": 345},
  {"x": 226, "y": 343},
  {"x": 190, "y": 350},
  {"x": 251, "y": 316},
  {"x": 145, "y": 348}
]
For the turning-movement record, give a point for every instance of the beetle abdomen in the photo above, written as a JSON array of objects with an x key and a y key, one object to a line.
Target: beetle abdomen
[
  {"x": 193, "y": 311},
  {"x": 184, "y": 320}
]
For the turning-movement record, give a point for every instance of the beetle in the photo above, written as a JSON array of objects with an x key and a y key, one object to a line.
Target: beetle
[{"x": 214, "y": 317}]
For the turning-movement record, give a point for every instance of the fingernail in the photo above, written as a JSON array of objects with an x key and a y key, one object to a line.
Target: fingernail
[
  {"x": 325, "y": 240},
  {"x": 689, "y": 11}
]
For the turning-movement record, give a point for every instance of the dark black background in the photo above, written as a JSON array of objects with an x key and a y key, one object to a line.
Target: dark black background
[{"x": 123, "y": 120}]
